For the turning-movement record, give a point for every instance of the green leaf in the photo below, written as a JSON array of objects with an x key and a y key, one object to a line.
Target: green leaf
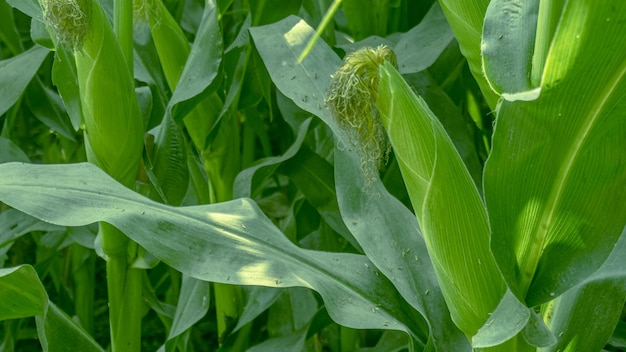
[
  {"x": 466, "y": 20},
  {"x": 249, "y": 180},
  {"x": 169, "y": 161},
  {"x": 280, "y": 45},
  {"x": 507, "y": 45},
  {"x": 21, "y": 293},
  {"x": 14, "y": 224},
  {"x": 8, "y": 31},
  {"x": 199, "y": 77},
  {"x": 498, "y": 327},
  {"x": 193, "y": 304},
  {"x": 418, "y": 48},
  {"x": 16, "y": 73},
  {"x": 446, "y": 202},
  {"x": 29, "y": 7},
  {"x": 366, "y": 17},
  {"x": 58, "y": 332},
  {"x": 231, "y": 242},
  {"x": 583, "y": 319},
  {"x": 555, "y": 178},
  {"x": 9, "y": 151},
  {"x": 259, "y": 299},
  {"x": 47, "y": 106},
  {"x": 270, "y": 11},
  {"x": 314, "y": 177}
]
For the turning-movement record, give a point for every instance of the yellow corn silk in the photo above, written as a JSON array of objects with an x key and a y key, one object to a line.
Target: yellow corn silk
[
  {"x": 352, "y": 101},
  {"x": 112, "y": 120}
]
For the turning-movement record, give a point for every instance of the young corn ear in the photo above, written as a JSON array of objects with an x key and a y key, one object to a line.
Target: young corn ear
[
  {"x": 113, "y": 125},
  {"x": 369, "y": 96},
  {"x": 447, "y": 203}
]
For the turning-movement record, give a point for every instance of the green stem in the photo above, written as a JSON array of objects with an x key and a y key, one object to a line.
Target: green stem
[
  {"x": 227, "y": 302},
  {"x": 124, "y": 289},
  {"x": 83, "y": 264}
]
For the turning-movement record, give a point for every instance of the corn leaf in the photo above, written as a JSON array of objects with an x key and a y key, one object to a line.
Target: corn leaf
[
  {"x": 199, "y": 76},
  {"x": 554, "y": 182},
  {"x": 584, "y": 318},
  {"x": 29, "y": 7},
  {"x": 507, "y": 44},
  {"x": 466, "y": 20},
  {"x": 418, "y": 48},
  {"x": 231, "y": 242},
  {"x": 8, "y": 31},
  {"x": 16, "y": 73},
  {"x": 23, "y": 295},
  {"x": 9, "y": 151}
]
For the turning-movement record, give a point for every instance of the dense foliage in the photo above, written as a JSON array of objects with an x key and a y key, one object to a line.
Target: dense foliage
[{"x": 312, "y": 175}]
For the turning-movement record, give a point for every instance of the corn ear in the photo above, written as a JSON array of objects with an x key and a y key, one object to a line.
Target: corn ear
[
  {"x": 113, "y": 126},
  {"x": 446, "y": 202}
]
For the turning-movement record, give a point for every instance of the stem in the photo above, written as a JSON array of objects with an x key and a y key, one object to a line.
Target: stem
[
  {"x": 124, "y": 289},
  {"x": 549, "y": 15},
  {"x": 227, "y": 302},
  {"x": 83, "y": 266}
]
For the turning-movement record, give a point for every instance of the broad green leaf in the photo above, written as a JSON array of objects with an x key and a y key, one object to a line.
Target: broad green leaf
[
  {"x": 47, "y": 106},
  {"x": 537, "y": 333},
  {"x": 507, "y": 45},
  {"x": 391, "y": 239},
  {"x": 366, "y": 17},
  {"x": 23, "y": 295},
  {"x": 289, "y": 320},
  {"x": 555, "y": 178},
  {"x": 29, "y": 7},
  {"x": 58, "y": 332},
  {"x": 14, "y": 224},
  {"x": 231, "y": 242},
  {"x": 248, "y": 181},
  {"x": 447, "y": 204},
  {"x": 169, "y": 161},
  {"x": 8, "y": 31},
  {"x": 193, "y": 304},
  {"x": 280, "y": 45},
  {"x": 259, "y": 299},
  {"x": 314, "y": 177},
  {"x": 418, "y": 48},
  {"x": 11, "y": 152},
  {"x": 466, "y": 20},
  {"x": 584, "y": 318},
  {"x": 389, "y": 342},
  {"x": 498, "y": 328},
  {"x": 16, "y": 73},
  {"x": 286, "y": 343},
  {"x": 270, "y": 11},
  {"x": 199, "y": 77}
]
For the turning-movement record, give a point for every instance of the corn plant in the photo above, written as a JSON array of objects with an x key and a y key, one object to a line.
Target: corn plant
[{"x": 312, "y": 175}]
